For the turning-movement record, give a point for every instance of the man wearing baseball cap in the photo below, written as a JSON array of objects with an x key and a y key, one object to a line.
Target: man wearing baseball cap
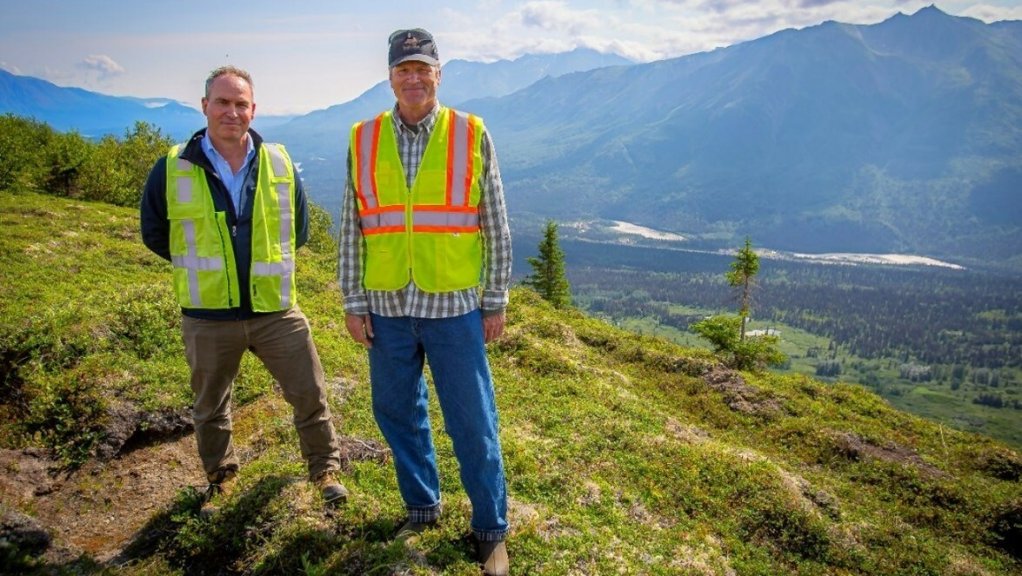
[{"x": 425, "y": 264}]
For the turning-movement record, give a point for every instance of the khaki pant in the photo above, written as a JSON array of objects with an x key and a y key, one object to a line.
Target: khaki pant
[{"x": 283, "y": 342}]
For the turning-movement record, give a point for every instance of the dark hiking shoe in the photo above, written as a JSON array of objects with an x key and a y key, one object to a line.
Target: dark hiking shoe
[
  {"x": 493, "y": 558},
  {"x": 411, "y": 530},
  {"x": 334, "y": 493},
  {"x": 220, "y": 484}
]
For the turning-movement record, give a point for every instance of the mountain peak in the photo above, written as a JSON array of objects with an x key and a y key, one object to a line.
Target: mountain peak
[
  {"x": 923, "y": 14},
  {"x": 930, "y": 10}
]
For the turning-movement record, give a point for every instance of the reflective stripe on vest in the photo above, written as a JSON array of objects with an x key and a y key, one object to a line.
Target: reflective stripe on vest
[
  {"x": 275, "y": 171},
  {"x": 430, "y": 233},
  {"x": 457, "y": 215},
  {"x": 190, "y": 260},
  {"x": 201, "y": 244}
]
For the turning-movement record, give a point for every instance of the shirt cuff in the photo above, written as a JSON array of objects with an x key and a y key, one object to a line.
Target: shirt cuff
[
  {"x": 357, "y": 304},
  {"x": 494, "y": 300}
]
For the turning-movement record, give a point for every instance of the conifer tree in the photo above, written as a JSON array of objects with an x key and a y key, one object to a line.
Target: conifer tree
[
  {"x": 727, "y": 332},
  {"x": 548, "y": 276},
  {"x": 743, "y": 269}
]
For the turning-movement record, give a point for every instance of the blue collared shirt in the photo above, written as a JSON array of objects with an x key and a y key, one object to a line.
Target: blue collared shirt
[{"x": 234, "y": 181}]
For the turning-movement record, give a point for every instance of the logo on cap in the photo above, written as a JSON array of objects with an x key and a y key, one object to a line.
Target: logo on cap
[
  {"x": 411, "y": 43},
  {"x": 414, "y": 44}
]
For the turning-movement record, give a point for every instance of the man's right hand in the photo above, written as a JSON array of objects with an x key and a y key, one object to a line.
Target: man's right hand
[{"x": 361, "y": 328}]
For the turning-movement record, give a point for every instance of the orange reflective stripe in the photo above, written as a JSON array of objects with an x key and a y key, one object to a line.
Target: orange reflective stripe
[
  {"x": 367, "y": 143},
  {"x": 384, "y": 230},
  {"x": 374, "y": 150},
  {"x": 357, "y": 164},
  {"x": 383, "y": 220},
  {"x": 356, "y": 160}
]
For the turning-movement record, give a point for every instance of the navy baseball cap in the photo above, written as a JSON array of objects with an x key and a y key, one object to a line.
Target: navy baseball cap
[{"x": 415, "y": 44}]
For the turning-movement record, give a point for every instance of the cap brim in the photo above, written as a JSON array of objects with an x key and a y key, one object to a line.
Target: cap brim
[{"x": 416, "y": 58}]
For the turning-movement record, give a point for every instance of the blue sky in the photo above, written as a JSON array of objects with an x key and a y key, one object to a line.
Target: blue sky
[{"x": 310, "y": 54}]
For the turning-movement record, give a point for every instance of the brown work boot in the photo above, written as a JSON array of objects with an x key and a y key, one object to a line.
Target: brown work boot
[
  {"x": 493, "y": 557},
  {"x": 334, "y": 493},
  {"x": 220, "y": 484}
]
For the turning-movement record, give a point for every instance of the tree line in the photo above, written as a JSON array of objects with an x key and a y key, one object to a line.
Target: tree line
[
  {"x": 38, "y": 158},
  {"x": 930, "y": 316}
]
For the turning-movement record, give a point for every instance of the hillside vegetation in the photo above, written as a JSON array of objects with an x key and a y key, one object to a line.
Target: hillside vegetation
[
  {"x": 943, "y": 344},
  {"x": 625, "y": 454}
]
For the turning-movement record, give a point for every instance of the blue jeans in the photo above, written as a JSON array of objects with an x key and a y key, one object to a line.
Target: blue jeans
[{"x": 456, "y": 354}]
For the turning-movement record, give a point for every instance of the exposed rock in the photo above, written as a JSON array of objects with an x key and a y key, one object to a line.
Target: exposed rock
[
  {"x": 855, "y": 447},
  {"x": 129, "y": 428},
  {"x": 739, "y": 396}
]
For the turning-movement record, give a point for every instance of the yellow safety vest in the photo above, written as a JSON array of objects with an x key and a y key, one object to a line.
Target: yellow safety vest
[
  {"x": 205, "y": 271},
  {"x": 429, "y": 234}
]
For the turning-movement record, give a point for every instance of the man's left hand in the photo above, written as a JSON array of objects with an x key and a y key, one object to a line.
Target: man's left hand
[{"x": 493, "y": 326}]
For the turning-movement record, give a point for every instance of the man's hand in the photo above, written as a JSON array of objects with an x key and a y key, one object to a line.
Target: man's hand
[
  {"x": 361, "y": 328},
  {"x": 493, "y": 326}
]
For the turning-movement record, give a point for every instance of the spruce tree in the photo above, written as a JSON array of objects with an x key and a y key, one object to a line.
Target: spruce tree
[
  {"x": 727, "y": 332},
  {"x": 743, "y": 269},
  {"x": 548, "y": 276}
]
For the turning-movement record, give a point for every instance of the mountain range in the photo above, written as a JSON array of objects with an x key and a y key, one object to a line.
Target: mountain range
[
  {"x": 319, "y": 139},
  {"x": 92, "y": 114},
  {"x": 897, "y": 137},
  {"x": 903, "y": 136}
]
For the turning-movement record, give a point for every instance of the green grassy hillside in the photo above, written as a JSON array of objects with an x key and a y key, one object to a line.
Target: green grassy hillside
[{"x": 625, "y": 454}]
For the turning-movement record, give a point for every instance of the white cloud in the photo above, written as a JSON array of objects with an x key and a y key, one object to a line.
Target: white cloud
[
  {"x": 555, "y": 16},
  {"x": 988, "y": 13},
  {"x": 103, "y": 65}
]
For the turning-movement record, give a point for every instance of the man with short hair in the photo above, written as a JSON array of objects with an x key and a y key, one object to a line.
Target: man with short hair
[
  {"x": 228, "y": 211},
  {"x": 425, "y": 263}
]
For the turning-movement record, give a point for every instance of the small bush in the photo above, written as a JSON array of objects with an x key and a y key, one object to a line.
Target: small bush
[
  {"x": 147, "y": 319},
  {"x": 67, "y": 413},
  {"x": 1001, "y": 463},
  {"x": 787, "y": 527},
  {"x": 52, "y": 342},
  {"x": 749, "y": 353}
]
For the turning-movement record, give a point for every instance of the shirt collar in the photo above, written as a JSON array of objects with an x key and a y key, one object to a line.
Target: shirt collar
[
  {"x": 423, "y": 126},
  {"x": 212, "y": 154}
]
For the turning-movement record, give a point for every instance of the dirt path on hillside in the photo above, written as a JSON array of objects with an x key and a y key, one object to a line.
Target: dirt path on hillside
[{"x": 100, "y": 508}]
